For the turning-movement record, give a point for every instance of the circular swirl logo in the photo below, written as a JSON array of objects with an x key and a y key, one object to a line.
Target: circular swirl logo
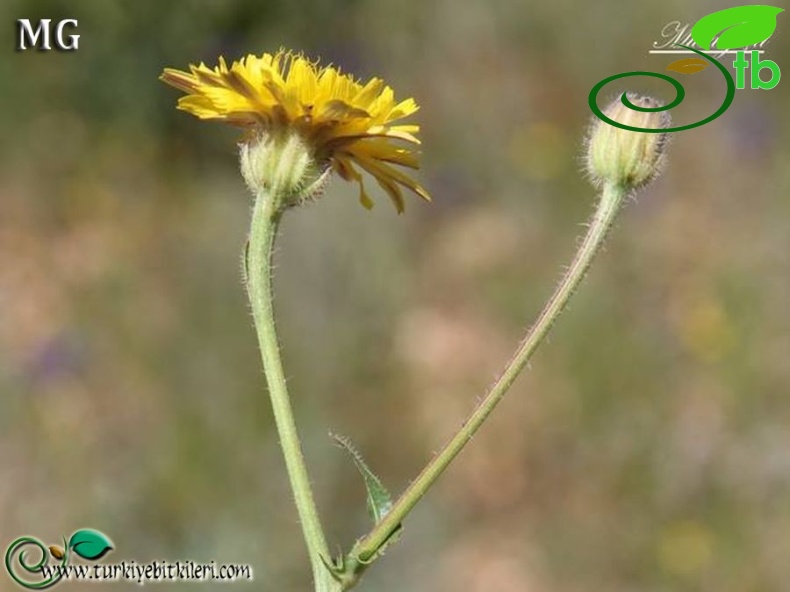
[
  {"x": 38, "y": 574},
  {"x": 680, "y": 94},
  {"x": 728, "y": 29}
]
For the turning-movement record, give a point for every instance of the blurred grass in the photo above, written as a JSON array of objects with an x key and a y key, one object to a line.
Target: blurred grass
[{"x": 646, "y": 449}]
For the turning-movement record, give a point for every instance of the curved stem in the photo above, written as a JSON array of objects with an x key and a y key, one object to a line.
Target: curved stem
[
  {"x": 258, "y": 265},
  {"x": 609, "y": 206}
]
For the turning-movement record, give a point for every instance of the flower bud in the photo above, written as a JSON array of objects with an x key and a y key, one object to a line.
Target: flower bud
[
  {"x": 626, "y": 158},
  {"x": 282, "y": 165}
]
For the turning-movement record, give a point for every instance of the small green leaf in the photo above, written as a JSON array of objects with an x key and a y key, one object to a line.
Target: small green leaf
[
  {"x": 379, "y": 500},
  {"x": 737, "y": 27},
  {"x": 90, "y": 544},
  {"x": 379, "y": 503}
]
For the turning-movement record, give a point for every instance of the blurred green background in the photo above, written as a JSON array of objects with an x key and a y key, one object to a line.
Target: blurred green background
[{"x": 647, "y": 449}]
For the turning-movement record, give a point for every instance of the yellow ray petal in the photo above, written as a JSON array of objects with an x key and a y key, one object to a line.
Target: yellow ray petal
[{"x": 349, "y": 124}]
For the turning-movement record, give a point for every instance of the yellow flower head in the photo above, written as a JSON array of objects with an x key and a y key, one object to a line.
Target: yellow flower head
[{"x": 345, "y": 123}]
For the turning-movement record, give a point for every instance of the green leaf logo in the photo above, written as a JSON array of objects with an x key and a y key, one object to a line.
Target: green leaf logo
[
  {"x": 90, "y": 544},
  {"x": 737, "y": 27}
]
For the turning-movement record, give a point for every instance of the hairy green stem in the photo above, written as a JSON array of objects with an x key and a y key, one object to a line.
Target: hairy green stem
[
  {"x": 258, "y": 266},
  {"x": 611, "y": 201}
]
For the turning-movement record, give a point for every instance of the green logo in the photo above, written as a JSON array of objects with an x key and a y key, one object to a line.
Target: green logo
[
  {"x": 38, "y": 574},
  {"x": 731, "y": 28}
]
